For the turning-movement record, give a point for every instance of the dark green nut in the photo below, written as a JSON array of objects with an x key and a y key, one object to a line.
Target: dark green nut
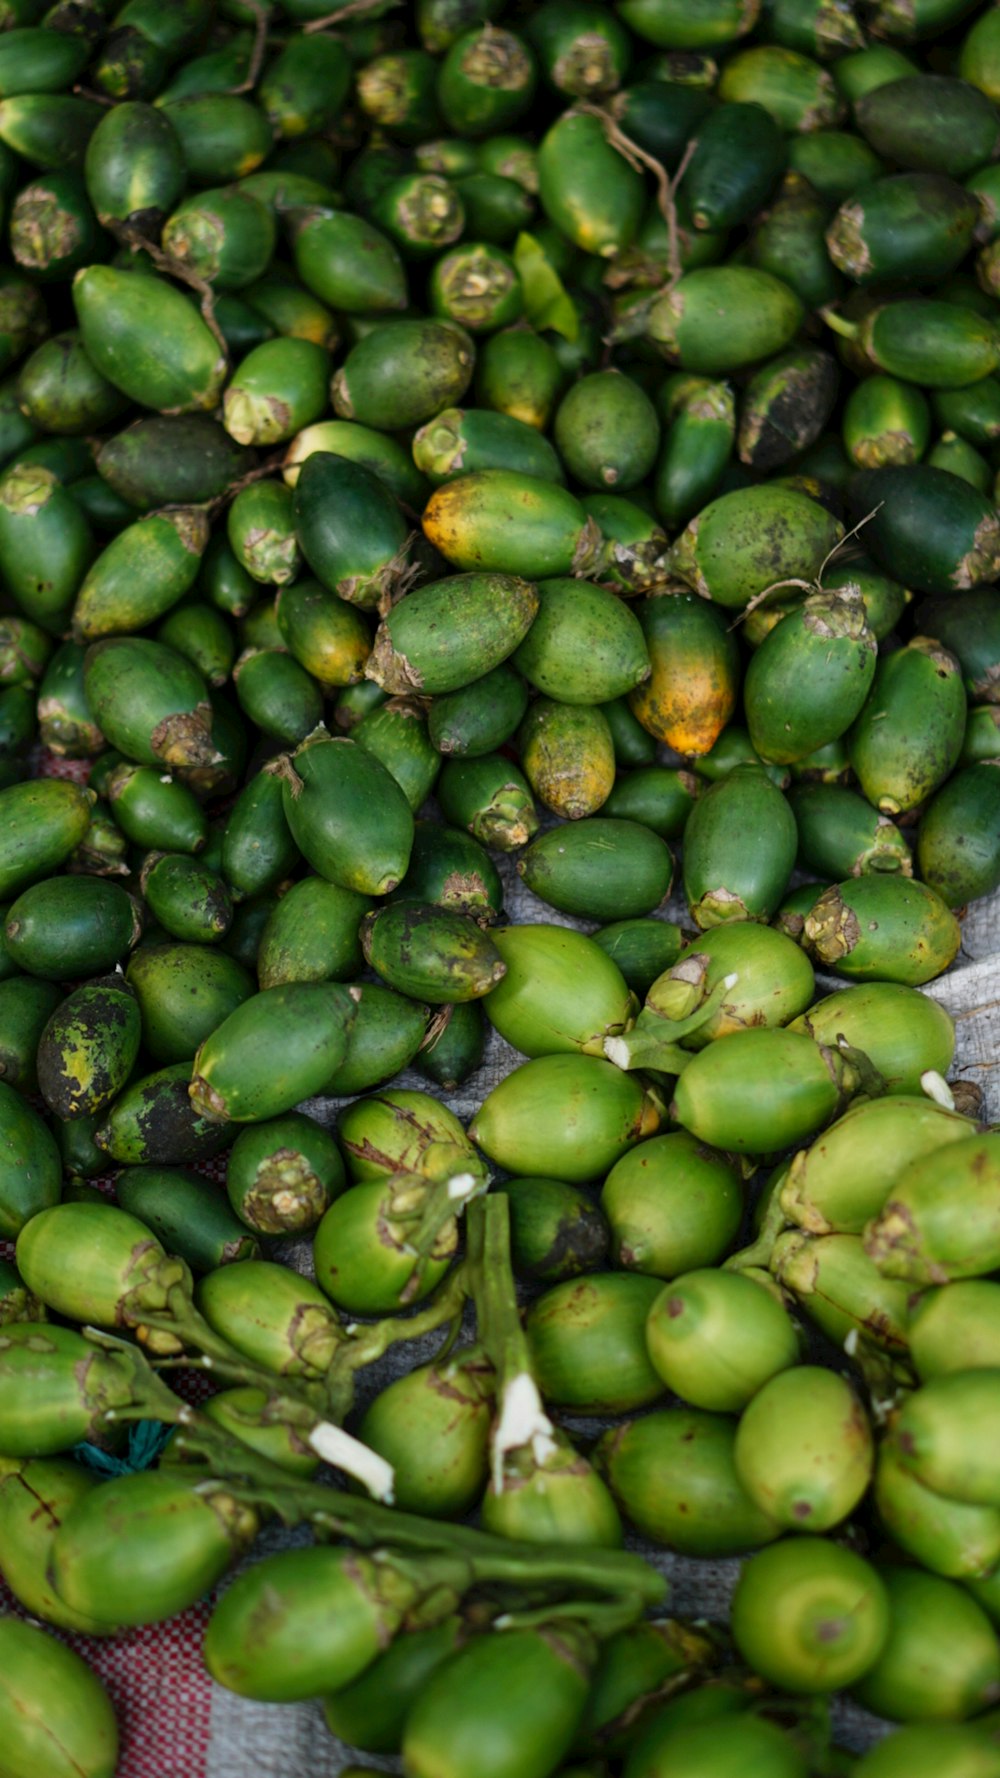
[
  {"x": 607, "y": 431},
  {"x": 452, "y": 870},
  {"x": 909, "y": 733},
  {"x": 810, "y": 676},
  {"x": 475, "y": 719},
  {"x": 556, "y": 1231},
  {"x": 153, "y": 1123},
  {"x": 277, "y": 1048},
  {"x": 489, "y": 797},
  {"x": 188, "y": 901},
  {"x": 89, "y": 1048},
  {"x": 957, "y": 841},
  {"x": 786, "y": 406},
  {"x": 641, "y": 948},
  {"x": 183, "y": 992},
  {"x": 148, "y": 340},
  {"x": 477, "y": 285},
  {"x": 71, "y": 927},
  {"x": 387, "y": 1032},
  {"x": 30, "y": 1163},
  {"x": 257, "y": 848},
  {"x": 403, "y": 373},
  {"x": 599, "y": 867},
  {"x": 26, "y": 1005},
  {"x": 149, "y": 702},
  {"x": 841, "y": 835},
  {"x": 312, "y": 935},
  {"x": 740, "y": 846},
  {"x": 187, "y": 1213},
  {"x": 41, "y": 824},
  {"x": 347, "y": 814},
  {"x": 673, "y": 1475},
  {"x": 910, "y": 226},
  {"x": 744, "y": 542},
  {"x": 431, "y": 954},
  {"x": 718, "y": 319},
  {"x": 141, "y": 573},
  {"x": 930, "y": 122}
]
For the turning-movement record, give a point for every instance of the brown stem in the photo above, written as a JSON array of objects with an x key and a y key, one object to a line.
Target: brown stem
[
  {"x": 641, "y": 161},
  {"x": 352, "y": 10},
  {"x": 165, "y": 262},
  {"x": 261, "y": 22}
]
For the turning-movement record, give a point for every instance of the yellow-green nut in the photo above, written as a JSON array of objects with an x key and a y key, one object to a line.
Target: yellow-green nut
[
  {"x": 809, "y": 1615},
  {"x": 55, "y": 1716},
  {"x": 941, "y": 1219},
  {"x": 804, "y": 1449},
  {"x": 716, "y": 1337}
]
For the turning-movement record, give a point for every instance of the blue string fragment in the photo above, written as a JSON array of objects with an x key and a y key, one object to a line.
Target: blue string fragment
[{"x": 146, "y": 1440}]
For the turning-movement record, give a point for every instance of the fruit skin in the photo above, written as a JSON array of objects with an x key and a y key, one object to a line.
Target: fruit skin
[
  {"x": 804, "y": 1449},
  {"x": 41, "y": 823},
  {"x": 957, "y": 840},
  {"x": 718, "y": 319},
  {"x": 920, "y": 1233},
  {"x": 745, "y": 541},
  {"x": 839, "y": 1183},
  {"x": 241, "y": 1077},
  {"x": 673, "y": 1476},
  {"x": 431, "y": 954},
  {"x": 55, "y": 1713},
  {"x": 559, "y": 992},
  {"x": 715, "y": 1344},
  {"x": 810, "y": 677},
  {"x": 587, "y": 189},
  {"x": 714, "y": 1096},
  {"x": 599, "y": 868},
  {"x": 403, "y": 374},
  {"x": 148, "y": 340},
  {"x": 740, "y": 842},
  {"x": 903, "y": 1033},
  {"x": 347, "y": 815},
  {"x": 908, "y": 735},
  {"x": 512, "y": 524},
  {"x": 882, "y": 929},
  {"x": 673, "y": 1204},
  {"x": 783, "y": 1599},
  {"x": 941, "y": 1658},
  {"x": 89, "y": 1048},
  {"x": 687, "y": 709},
  {"x": 601, "y": 1113},
  {"x": 448, "y": 632}
]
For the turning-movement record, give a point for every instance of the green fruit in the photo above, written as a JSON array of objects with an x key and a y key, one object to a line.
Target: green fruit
[
  {"x": 148, "y": 340},
  {"x": 673, "y": 1205},
  {"x": 567, "y": 1117},
  {"x": 673, "y": 1476},
  {"x": 716, "y": 1344},
  {"x": 559, "y": 992},
  {"x": 598, "y": 868},
  {"x": 347, "y": 814},
  {"x": 810, "y": 1616},
  {"x": 941, "y": 1657},
  {"x": 804, "y": 1449},
  {"x": 55, "y": 1713},
  {"x": 241, "y": 1077}
]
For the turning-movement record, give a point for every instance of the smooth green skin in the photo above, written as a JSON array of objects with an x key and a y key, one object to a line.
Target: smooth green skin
[
  {"x": 148, "y": 340},
  {"x": 149, "y": 701},
  {"x": 497, "y": 521},
  {"x": 277, "y": 694},
  {"x": 403, "y": 373},
  {"x": 54, "y": 1388},
  {"x": 50, "y": 130},
  {"x": 371, "y": 1712},
  {"x": 474, "y": 719},
  {"x": 47, "y": 543},
  {"x": 361, "y": 1256},
  {"x": 588, "y": 1345},
  {"x": 973, "y": 412},
  {"x": 433, "y": 1426},
  {"x": 140, "y": 574},
  {"x": 962, "y": 459},
  {"x": 673, "y": 1477},
  {"x": 844, "y": 1178},
  {"x": 71, "y": 927},
  {"x": 718, "y": 1099},
  {"x": 305, "y": 87},
  {"x": 673, "y": 1206},
  {"x": 642, "y": 949},
  {"x": 730, "y": 1744},
  {"x": 809, "y": 1615},
  {"x": 902, "y": 1033},
  {"x": 586, "y": 187},
  {"x": 120, "y": 1252},
  {"x": 941, "y": 1658},
  {"x": 43, "y": 822},
  {"x": 882, "y": 928},
  {"x": 243, "y": 938},
  {"x": 696, "y": 450},
  {"x": 957, "y": 841},
  {"x": 930, "y": 123},
  {"x": 348, "y": 816},
  {"x": 506, "y": 1706},
  {"x": 841, "y": 835},
  {"x": 184, "y": 992},
  {"x": 55, "y": 1715},
  {"x": 740, "y": 843},
  {"x": 798, "y": 94},
  {"x": 225, "y": 236},
  {"x": 568, "y": 756},
  {"x": 556, "y": 1231},
  {"x": 566, "y": 1117},
  {"x": 949, "y": 1537},
  {"x": 276, "y": 1318},
  {"x": 560, "y": 992},
  {"x": 886, "y": 421},
  {"x": 804, "y": 1449},
  {"x": 224, "y": 581},
  {"x": 257, "y": 848},
  {"x": 909, "y": 226},
  {"x": 452, "y": 870},
  {"x": 65, "y": 724},
  {"x": 745, "y": 541},
  {"x": 659, "y": 797},
  {"x": 740, "y": 153},
  {"x": 282, "y": 1175},
  {"x": 910, "y": 731},
  {"x": 189, "y": 901},
  {"x": 456, "y": 1047},
  {"x": 562, "y": 1502},
  {"x": 599, "y": 868},
  {"x": 396, "y": 733},
  {"x": 932, "y": 1750},
  {"x": 26, "y": 1004},
  {"x": 35, "y": 1496},
  {"x": 348, "y": 263},
  {"x": 463, "y": 440},
  {"x": 607, "y": 431},
  {"x": 394, "y": 1131},
  {"x": 584, "y": 646},
  {"x": 88, "y": 1048},
  {"x": 33, "y": 60},
  {"x": 134, "y": 167},
  {"x": 956, "y": 1329},
  {"x": 935, "y": 343},
  {"x": 919, "y": 1235},
  {"x": 518, "y": 373},
  {"x": 279, "y": 388},
  {"x": 156, "y": 812},
  {"x": 153, "y": 1123},
  {"x": 835, "y": 162},
  {"x": 387, "y": 1032},
  {"x": 718, "y": 319},
  {"x": 187, "y": 1213},
  {"x": 312, "y": 935},
  {"x": 496, "y": 208},
  {"x": 326, "y": 636},
  {"x": 350, "y": 528},
  {"x": 840, "y": 1288},
  {"x": 60, "y": 390},
  {"x": 222, "y": 136},
  {"x": 288, "y": 308},
  {"x": 810, "y": 677},
  {"x": 932, "y": 531},
  {"x": 429, "y": 953},
  {"x": 716, "y": 1338},
  {"x": 944, "y": 1431},
  {"x": 277, "y": 1048},
  {"x": 30, "y": 1164},
  {"x": 143, "y": 1547}
]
